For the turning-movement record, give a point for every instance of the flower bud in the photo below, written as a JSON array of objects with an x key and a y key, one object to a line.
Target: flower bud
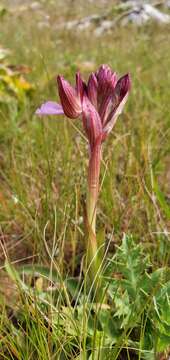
[{"x": 70, "y": 100}]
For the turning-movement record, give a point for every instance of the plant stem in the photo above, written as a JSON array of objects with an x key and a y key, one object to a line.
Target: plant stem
[{"x": 92, "y": 196}]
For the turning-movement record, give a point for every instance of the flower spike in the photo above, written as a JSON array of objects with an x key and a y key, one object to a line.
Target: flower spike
[{"x": 99, "y": 103}]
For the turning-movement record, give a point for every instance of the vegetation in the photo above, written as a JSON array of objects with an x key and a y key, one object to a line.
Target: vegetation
[{"x": 47, "y": 308}]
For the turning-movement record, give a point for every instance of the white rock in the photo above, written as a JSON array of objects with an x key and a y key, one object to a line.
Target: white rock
[
  {"x": 140, "y": 14},
  {"x": 167, "y": 4},
  {"x": 35, "y": 5},
  {"x": 136, "y": 17},
  {"x": 105, "y": 26},
  {"x": 156, "y": 14}
]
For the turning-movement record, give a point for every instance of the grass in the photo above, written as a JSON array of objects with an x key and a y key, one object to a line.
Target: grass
[{"x": 45, "y": 314}]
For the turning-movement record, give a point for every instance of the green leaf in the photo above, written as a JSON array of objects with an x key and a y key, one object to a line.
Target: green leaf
[
  {"x": 3, "y": 11},
  {"x": 163, "y": 342},
  {"x": 161, "y": 199},
  {"x": 101, "y": 239},
  {"x": 72, "y": 285},
  {"x": 13, "y": 274},
  {"x": 39, "y": 270}
]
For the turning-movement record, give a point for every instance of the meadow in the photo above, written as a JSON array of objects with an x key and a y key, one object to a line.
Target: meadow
[{"x": 47, "y": 308}]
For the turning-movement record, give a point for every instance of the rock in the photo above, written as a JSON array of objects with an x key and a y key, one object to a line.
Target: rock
[
  {"x": 35, "y": 5},
  {"x": 167, "y": 4},
  {"x": 137, "y": 12},
  {"x": 82, "y": 23},
  {"x": 136, "y": 17},
  {"x": 105, "y": 26},
  {"x": 141, "y": 14},
  {"x": 156, "y": 14}
]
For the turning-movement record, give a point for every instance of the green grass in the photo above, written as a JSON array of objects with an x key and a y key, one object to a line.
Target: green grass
[{"x": 43, "y": 165}]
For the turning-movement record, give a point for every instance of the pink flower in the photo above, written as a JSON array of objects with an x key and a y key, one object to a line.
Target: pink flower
[{"x": 99, "y": 103}]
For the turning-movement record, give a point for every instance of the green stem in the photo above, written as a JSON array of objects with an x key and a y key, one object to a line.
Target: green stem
[{"x": 91, "y": 207}]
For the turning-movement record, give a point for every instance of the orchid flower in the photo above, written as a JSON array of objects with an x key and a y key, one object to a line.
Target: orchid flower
[{"x": 98, "y": 103}]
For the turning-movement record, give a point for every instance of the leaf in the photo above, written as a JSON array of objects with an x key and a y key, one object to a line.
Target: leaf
[
  {"x": 39, "y": 270},
  {"x": 130, "y": 264},
  {"x": 101, "y": 237},
  {"x": 3, "y": 11},
  {"x": 163, "y": 342},
  {"x": 122, "y": 305},
  {"x": 151, "y": 283},
  {"x": 161, "y": 199},
  {"x": 148, "y": 355},
  {"x": 72, "y": 285},
  {"x": 13, "y": 274}
]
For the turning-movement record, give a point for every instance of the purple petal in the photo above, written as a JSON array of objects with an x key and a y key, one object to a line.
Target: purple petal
[
  {"x": 92, "y": 87},
  {"x": 70, "y": 100},
  {"x": 107, "y": 80},
  {"x": 80, "y": 85},
  {"x": 114, "y": 115},
  {"x": 117, "y": 102},
  {"x": 106, "y": 77},
  {"x": 123, "y": 86},
  {"x": 50, "y": 108},
  {"x": 91, "y": 121}
]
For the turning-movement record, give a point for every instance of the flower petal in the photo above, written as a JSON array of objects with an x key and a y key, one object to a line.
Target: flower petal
[
  {"x": 50, "y": 108},
  {"x": 106, "y": 85},
  {"x": 91, "y": 121},
  {"x": 80, "y": 85},
  {"x": 69, "y": 98},
  {"x": 123, "y": 86},
  {"x": 92, "y": 87},
  {"x": 114, "y": 115},
  {"x": 117, "y": 102},
  {"x": 105, "y": 74}
]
